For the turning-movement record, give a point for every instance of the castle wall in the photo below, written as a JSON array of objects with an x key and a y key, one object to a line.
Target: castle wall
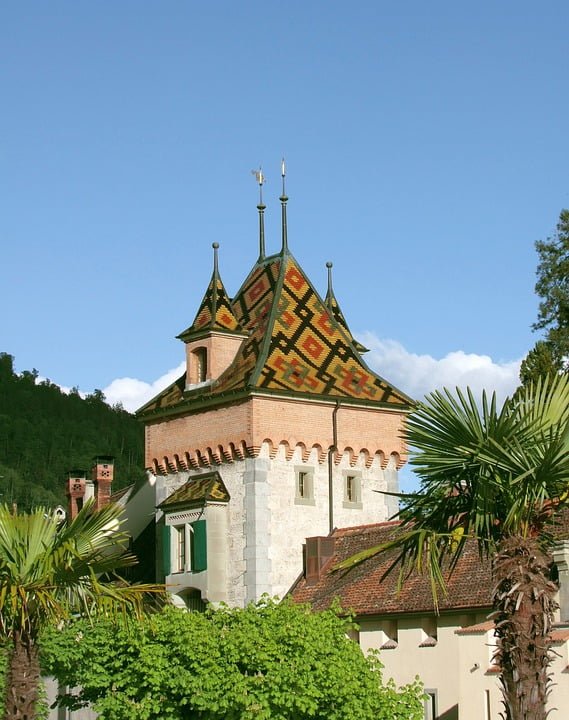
[
  {"x": 268, "y": 523},
  {"x": 231, "y": 432}
]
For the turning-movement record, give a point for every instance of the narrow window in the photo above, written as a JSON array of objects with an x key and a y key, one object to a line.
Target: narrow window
[
  {"x": 430, "y": 705},
  {"x": 303, "y": 485},
  {"x": 304, "y": 492},
  {"x": 201, "y": 364},
  {"x": 180, "y": 548},
  {"x": 353, "y": 491},
  {"x": 487, "y": 706}
]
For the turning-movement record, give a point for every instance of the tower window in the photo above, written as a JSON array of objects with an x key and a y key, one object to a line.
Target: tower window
[
  {"x": 200, "y": 355},
  {"x": 198, "y": 366},
  {"x": 304, "y": 493},
  {"x": 352, "y": 490}
]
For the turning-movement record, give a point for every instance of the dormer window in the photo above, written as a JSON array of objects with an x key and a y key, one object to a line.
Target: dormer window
[{"x": 199, "y": 356}]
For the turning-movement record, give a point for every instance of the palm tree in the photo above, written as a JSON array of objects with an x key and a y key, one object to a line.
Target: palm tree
[
  {"x": 497, "y": 477},
  {"x": 49, "y": 571}
]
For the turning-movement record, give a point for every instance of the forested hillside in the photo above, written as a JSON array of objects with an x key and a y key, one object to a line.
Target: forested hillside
[{"x": 45, "y": 432}]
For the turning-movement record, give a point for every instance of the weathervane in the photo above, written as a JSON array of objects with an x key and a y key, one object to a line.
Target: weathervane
[
  {"x": 261, "y": 208},
  {"x": 260, "y": 178}
]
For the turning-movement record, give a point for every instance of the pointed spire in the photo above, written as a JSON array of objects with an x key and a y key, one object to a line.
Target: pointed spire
[
  {"x": 215, "y": 312},
  {"x": 261, "y": 208},
  {"x": 336, "y": 312},
  {"x": 330, "y": 293},
  {"x": 215, "y": 277},
  {"x": 283, "y": 198}
]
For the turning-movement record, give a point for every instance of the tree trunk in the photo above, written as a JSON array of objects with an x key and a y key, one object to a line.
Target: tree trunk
[
  {"x": 523, "y": 612},
  {"x": 22, "y": 681}
]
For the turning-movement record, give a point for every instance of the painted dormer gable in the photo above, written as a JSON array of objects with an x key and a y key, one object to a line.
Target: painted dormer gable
[{"x": 214, "y": 337}]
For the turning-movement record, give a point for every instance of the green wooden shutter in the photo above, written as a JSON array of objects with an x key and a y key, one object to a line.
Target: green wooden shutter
[
  {"x": 199, "y": 546},
  {"x": 166, "y": 549}
]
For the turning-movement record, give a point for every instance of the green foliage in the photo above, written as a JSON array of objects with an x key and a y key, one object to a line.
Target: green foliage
[
  {"x": 539, "y": 362},
  {"x": 50, "y": 570},
  {"x": 44, "y": 433},
  {"x": 264, "y": 661},
  {"x": 553, "y": 288}
]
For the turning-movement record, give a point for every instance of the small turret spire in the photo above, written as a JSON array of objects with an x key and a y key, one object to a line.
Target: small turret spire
[
  {"x": 215, "y": 247},
  {"x": 261, "y": 208},
  {"x": 283, "y": 198},
  {"x": 330, "y": 292}
]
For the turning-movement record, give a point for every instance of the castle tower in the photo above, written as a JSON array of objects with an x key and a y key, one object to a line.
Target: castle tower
[{"x": 299, "y": 432}]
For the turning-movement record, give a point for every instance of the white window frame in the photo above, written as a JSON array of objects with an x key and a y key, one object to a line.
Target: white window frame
[
  {"x": 181, "y": 564},
  {"x": 430, "y": 704},
  {"x": 304, "y": 480},
  {"x": 353, "y": 478}
]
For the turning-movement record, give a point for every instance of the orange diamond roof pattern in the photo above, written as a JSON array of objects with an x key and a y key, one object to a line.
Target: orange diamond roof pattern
[{"x": 294, "y": 342}]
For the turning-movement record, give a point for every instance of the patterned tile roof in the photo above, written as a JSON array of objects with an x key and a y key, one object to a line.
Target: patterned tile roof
[
  {"x": 364, "y": 590},
  {"x": 198, "y": 490},
  {"x": 295, "y": 343},
  {"x": 215, "y": 311},
  {"x": 334, "y": 307}
]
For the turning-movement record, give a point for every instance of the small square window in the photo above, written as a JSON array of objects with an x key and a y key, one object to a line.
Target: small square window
[{"x": 304, "y": 492}]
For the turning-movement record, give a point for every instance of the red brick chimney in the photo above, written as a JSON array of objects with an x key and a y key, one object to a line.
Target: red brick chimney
[
  {"x": 75, "y": 492},
  {"x": 317, "y": 552},
  {"x": 102, "y": 474}
]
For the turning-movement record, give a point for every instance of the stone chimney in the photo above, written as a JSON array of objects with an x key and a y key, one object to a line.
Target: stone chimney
[
  {"x": 317, "y": 552},
  {"x": 75, "y": 492},
  {"x": 561, "y": 559},
  {"x": 102, "y": 474}
]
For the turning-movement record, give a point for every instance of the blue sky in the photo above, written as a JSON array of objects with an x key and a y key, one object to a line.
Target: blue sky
[{"x": 426, "y": 148}]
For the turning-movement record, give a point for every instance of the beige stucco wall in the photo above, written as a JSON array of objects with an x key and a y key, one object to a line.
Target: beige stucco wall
[
  {"x": 479, "y": 687},
  {"x": 436, "y": 666},
  {"x": 458, "y": 667}
]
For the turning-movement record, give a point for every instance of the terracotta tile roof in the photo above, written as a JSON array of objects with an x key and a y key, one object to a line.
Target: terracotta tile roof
[
  {"x": 477, "y": 629},
  {"x": 362, "y": 589},
  {"x": 295, "y": 344},
  {"x": 197, "y": 491},
  {"x": 559, "y": 635}
]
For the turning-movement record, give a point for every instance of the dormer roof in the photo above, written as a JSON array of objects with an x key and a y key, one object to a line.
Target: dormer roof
[
  {"x": 215, "y": 313},
  {"x": 198, "y": 490}
]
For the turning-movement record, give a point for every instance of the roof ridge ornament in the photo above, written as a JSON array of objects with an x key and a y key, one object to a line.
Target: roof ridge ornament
[
  {"x": 330, "y": 293},
  {"x": 259, "y": 176},
  {"x": 283, "y": 198}
]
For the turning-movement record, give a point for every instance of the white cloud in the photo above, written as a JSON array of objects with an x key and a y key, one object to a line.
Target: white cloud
[
  {"x": 418, "y": 375},
  {"x": 132, "y": 393},
  {"x": 414, "y": 374}
]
